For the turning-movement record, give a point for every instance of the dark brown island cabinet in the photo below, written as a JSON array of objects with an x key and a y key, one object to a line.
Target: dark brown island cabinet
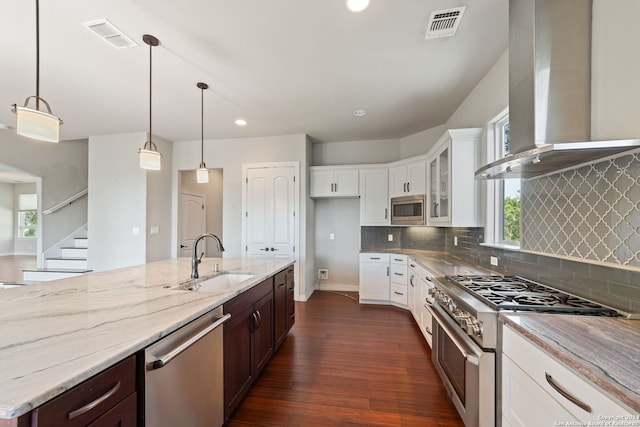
[
  {"x": 260, "y": 320},
  {"x": 108, "y": 399}
]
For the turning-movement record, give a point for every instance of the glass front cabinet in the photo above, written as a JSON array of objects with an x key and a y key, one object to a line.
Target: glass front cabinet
[{"x": 452, "y": 192}]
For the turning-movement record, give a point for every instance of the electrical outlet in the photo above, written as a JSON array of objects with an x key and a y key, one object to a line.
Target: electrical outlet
[
  {"x": 494, "y": 261},
  {"x": 455, "y": 240},
  {"x": 323, "y": 274},
  {"x": 332, "y": 236},
  {"x": 390, "y": 237}
]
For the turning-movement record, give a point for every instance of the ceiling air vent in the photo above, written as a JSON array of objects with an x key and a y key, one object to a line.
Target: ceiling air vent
[
  {"x": 109, "y": 33},
  {"x": 444, "y": 23}
]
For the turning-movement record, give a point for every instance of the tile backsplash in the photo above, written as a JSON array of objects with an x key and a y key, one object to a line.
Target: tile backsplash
[{"x": 592, "y": 212}]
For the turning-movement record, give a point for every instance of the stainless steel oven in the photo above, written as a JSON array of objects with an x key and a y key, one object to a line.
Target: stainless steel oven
[
  {"x": 467, "y": 371},
  {"x": 407, "y": 210}
]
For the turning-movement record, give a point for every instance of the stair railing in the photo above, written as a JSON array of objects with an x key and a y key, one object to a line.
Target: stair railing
[{"x": 66, "y": 202}]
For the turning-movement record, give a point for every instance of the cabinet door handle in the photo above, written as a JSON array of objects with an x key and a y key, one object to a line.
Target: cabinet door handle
[
  {"x": 411, "y": 281},
  {"x": 387, "y": 271},
  {"x": 89, "y": 406},
  {"x": 566, "y": 394},
  {"x": 374, "y": 257},
  {"x": 259, "y": 317},
  {"x": 435, "y": 210},
  {"x": 386, "y": 213},
  {"x": 404, "y": 187},
  {"x": 281, "y": 285},
  {"x": 408, "y": 187},
  {"x": 335, "y": 187},
  {"x": 398, "y": 274},
  {"x": 412, "y": 265},
  {"x": 398, "y": 293}
]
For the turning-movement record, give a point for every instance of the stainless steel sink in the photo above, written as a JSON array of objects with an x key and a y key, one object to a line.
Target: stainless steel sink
[{"x": 223, "y": 282}]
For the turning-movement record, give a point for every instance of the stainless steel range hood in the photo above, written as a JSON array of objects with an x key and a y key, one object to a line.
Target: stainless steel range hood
[{"x": 550, "y": 91}]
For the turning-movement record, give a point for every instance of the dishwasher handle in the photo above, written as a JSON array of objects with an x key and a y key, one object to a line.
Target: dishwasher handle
[{"x": 168, "y": 357}]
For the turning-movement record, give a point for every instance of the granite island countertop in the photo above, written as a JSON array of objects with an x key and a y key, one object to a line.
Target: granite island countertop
[
  {"x": 54, "y": 335},
  {"x": 604, "y": 351}
]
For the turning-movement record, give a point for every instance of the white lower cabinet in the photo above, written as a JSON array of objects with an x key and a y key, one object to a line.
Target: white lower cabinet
[
  {"x": 374, "y": 278},
  {"x": 421, "y": 278},
  {"x": 399, "y": 279},
  {"x": 538, "y": 390}
]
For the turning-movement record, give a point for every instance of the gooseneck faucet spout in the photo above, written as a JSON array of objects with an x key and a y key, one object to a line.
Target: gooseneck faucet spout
[{"x": 194, "y": 257}]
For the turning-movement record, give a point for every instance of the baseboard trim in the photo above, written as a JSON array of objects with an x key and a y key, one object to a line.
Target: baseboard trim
[{"x": 341, "y": 287}]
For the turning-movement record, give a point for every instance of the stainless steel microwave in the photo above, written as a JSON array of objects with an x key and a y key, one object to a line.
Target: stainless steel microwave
[{"x": 407, "y": 210}]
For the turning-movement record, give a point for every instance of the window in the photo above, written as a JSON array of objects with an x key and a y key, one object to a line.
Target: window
[
  {"x": 503, "y": 205},
  {"x": 27, "y": 215}
]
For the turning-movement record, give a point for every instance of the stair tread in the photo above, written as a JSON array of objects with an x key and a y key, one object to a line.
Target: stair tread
[
  {"x": 57, "y": 270},
  {"x": 67, "y": 259}
]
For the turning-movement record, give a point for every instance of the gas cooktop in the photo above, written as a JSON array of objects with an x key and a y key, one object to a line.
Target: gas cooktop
[{"x": 517, "y": 293}]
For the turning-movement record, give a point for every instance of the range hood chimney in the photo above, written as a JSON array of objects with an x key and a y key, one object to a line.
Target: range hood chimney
[{"x": 550, "y": 91}]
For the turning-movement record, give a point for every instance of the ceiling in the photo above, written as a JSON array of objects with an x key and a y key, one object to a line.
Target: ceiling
[{"x": 286, "y": 66}]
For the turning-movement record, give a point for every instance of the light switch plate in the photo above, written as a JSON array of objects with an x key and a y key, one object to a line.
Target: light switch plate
[
  {"x": 494, "y": 261},
  {"x": 135, "y": 231},
  {"x": 455, "y": 240},
  {"x": 390, "y": 237},
  {"x": 332, "y": 236},
  {"x": 155, "y": 230}
]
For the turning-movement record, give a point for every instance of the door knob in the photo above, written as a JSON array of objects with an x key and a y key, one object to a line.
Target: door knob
[
  {"x": 273, "y": 249},
  {"x": 183, "y": 246},
  {"x": 265, "y": 249}
]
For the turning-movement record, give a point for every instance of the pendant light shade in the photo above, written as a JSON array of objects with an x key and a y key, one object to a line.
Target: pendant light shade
[
  {"x": 33, "y": 122},
  {"x": 150, "y": 157},
  {"x": 202, "y": 175}
]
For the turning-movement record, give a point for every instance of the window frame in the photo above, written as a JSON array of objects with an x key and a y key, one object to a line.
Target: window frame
[
  {"x": 494, "y": 227},
  {"x": 21, "y": 228}
]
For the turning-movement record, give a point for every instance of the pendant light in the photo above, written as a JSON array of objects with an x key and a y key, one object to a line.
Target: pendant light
[
  {"x": 150, "y": 157},
  {"x": 202, "y": 175},
  {"x": 34, "y": 123}
]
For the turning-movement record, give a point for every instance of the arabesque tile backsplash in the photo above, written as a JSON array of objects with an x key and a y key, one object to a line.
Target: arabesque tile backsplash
[{"x": 592, "y": 212}]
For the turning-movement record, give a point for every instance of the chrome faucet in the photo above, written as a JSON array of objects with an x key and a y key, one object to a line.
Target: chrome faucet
[{"x": 194, "y": 258}]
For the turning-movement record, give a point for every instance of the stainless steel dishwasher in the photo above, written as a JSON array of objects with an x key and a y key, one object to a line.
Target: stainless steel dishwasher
[{"x": 184, "y": 375}]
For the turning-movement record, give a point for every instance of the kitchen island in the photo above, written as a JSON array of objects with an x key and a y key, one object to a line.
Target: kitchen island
[{"x": 57, "y": 334}]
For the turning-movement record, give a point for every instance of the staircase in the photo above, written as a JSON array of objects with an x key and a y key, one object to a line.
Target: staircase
[{"x": 71, "y": 262}]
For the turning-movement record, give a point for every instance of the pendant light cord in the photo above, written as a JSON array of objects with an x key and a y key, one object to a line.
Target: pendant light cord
[
  {"x": 150, "y": 94},
  {"x": 202, "y": 125},
  {"x": 37, "y": 55}
]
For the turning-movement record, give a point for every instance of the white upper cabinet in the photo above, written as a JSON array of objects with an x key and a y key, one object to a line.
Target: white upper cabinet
[
  {"x": 407, "y": 179},
  {"x": 374, "y": 196},
  {"x": 333, "y": 182},
  {"x": 452, "y": 193}
]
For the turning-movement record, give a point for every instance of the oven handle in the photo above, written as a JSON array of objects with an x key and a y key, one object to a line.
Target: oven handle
[{"x": 470, "y": 355}]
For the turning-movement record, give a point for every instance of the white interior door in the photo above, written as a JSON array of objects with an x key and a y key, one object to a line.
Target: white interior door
[
  {"x": 192, "y": 217},
  {"x": 270, "y": 213}
]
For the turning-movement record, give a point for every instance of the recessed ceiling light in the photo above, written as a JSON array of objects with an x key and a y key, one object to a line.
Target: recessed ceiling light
[
  {"x": 360, "y": 112},
  {"x": 357, "y": 5},
  {"x": 241, "y": 122}
]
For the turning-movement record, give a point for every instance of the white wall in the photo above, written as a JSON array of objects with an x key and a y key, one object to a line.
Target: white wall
[
  {"x": 158, "y": 208},
  {"x": 229, "y": 155},
  {"x": 341, "y": 255},
  {"x": 356, "y": 152},
  {"x": 7, "y": 219},
  {"x": 615, "y": 70},
  {"x": 63, "y": 170},
  {"x": 419, "y": 143},
  {"x": 123, "y": 197}
]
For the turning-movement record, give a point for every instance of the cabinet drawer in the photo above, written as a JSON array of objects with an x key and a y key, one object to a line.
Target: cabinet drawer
[
  {"x": 78, "y": 407},
  {"x": 248, "y": 298},
  {"x": 537, "y": 364},
  {"x": 398, "y": 293},
  {"x": 399, "y": 274},
  {"x": 399, "y": 259},
  {"x": 374, "y": 257}
]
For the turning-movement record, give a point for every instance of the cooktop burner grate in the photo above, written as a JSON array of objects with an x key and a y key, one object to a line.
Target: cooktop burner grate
[{"x": 517, "y": 293}]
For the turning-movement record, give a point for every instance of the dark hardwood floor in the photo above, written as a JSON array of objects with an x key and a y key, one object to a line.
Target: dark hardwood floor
[{"x": 346, "y": 364}]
